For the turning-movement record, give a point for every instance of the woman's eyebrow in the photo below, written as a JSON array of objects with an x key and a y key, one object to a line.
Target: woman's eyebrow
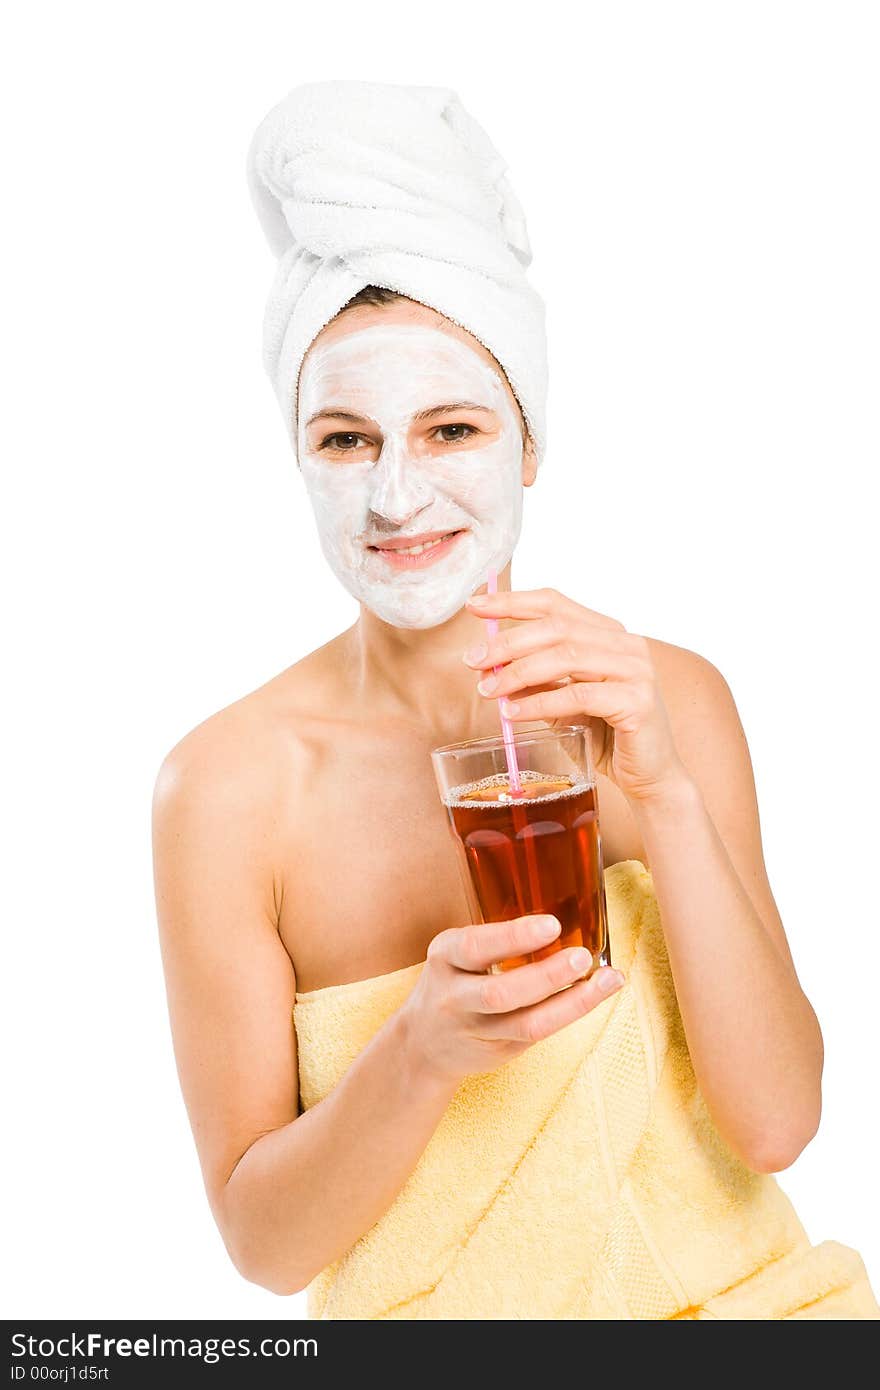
[
  {"x": 330, "y": 412},
  {"x": 446, "y": 409}
]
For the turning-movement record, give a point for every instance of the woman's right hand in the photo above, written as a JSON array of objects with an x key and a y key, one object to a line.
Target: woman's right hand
[{"x": 461, "y": 1020}]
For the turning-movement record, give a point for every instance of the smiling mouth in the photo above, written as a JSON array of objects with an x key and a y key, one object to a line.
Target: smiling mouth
[{"x": 416, "y": 556}]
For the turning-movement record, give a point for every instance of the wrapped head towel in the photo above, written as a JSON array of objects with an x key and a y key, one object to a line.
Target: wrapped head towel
[{"x": 359, "y": 183}]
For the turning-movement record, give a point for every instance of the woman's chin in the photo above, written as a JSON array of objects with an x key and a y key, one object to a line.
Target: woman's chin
[
  {"x": 421, "y": 621},
  {"x": 416, "y": 610}
]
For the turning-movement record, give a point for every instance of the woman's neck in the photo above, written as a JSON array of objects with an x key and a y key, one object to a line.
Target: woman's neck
[{"x": 417, "y": 676}]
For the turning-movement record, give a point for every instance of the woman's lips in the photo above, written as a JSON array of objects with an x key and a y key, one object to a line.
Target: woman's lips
[{"x": 399, "y": 560}]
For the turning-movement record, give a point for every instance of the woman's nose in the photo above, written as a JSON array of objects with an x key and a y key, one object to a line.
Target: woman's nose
[{"x": 399, "y": 489}]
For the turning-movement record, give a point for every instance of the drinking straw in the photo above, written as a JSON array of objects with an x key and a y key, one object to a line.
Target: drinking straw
[
  {"x": 506, "y": 726},
  {"x": 533, "y": 901}
]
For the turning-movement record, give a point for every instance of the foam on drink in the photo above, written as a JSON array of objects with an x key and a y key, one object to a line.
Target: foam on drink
[{"x": 497, "y": 788}]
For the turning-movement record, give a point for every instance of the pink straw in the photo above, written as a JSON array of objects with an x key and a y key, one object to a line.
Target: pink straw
[{"x": 506, "y": 726}]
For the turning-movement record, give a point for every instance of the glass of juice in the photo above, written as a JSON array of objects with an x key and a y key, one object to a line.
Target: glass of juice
[{"x": 536, "y": 849}]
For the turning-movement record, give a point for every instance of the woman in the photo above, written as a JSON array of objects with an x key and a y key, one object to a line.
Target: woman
[{"x": 304, "y": 867}]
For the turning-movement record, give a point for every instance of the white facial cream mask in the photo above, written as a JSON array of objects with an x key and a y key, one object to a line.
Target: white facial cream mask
[{"x": 403, "y": 477}]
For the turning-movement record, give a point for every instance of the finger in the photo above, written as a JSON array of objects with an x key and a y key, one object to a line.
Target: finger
[
  {"x": 614, "y": 701},
  {"x": 515, "y": 641},
  {"x": 534, "y": 603},
  {"x": 481, "y": 944},
  {"x": 595, "y": 727},
  {"x": 527, "y": 984},
  {"x": 534, "y": 635},
  {"x": 580, "y": 661},
  {"x": 532, "y": 1024},
  {"x": 551, "y": 685}
]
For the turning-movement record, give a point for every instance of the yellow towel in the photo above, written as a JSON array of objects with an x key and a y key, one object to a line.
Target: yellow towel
[{"x": 584, "y": 1179}]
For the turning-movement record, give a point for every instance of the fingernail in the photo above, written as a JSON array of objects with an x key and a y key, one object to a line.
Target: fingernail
[
  {"x": 478, "y": 598},
  {"x": 548, "y": 926},
  {"x": 580, "y": 960},
  {"x": 487, "y": 685},
  {"x": 474, "y": 655},
  {"x": 608, "y": 981},
  {"x": 509, "y": 707}
]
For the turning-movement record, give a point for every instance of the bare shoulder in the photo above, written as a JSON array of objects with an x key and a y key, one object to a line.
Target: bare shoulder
[
  {"x": 682, "y": 669},
  {"x": 701, "y": 705},
  {"x": 243, "y": 752},
  {"x": 219, "y": 817},
  {"x": 223, "y": 782},
  {"x": 226, "y": 756},
  {"x": 212, "y": 825}
]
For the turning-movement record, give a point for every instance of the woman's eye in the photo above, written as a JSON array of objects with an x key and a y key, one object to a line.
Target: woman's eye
[
  {"x": 348, "y": 441},
  {"x": 451, "y": 439}
]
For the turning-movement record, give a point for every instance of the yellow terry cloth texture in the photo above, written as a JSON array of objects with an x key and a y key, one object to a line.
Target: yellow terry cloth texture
[{"x": 583, "y": 1179}]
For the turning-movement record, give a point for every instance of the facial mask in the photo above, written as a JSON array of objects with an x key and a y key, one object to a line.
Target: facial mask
[{"x": 405, "y": 477}]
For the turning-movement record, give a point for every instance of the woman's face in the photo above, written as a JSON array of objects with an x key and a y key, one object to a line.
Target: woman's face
[{"x": 404, "y": 430}]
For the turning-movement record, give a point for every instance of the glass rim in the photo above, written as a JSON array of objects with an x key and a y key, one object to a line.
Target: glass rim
[{"x": 520, "y": 738}]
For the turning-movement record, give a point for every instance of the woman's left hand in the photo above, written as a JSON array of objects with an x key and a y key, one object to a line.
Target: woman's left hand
[{"x": 607, "y": 681}]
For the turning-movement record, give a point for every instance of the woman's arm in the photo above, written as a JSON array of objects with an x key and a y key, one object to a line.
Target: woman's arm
[
  {"x": 300, "y": 1196},
  {"x": 680, "y": 757},
  {"x": 289, "y": 1193},
  {"x": 753, "y": 1037}
]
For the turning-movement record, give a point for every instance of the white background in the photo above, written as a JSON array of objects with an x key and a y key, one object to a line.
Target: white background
[{"x": 700, "y": 183}]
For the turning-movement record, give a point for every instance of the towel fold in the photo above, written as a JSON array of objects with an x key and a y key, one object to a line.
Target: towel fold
[
  {"x": 359, "y": 183},
  {"x": 584, "y": 1179}
]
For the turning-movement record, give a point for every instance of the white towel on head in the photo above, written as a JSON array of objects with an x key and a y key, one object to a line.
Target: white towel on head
[{"x": 359, "y": 183}]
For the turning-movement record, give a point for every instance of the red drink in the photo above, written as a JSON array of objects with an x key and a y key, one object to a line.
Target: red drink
[{"x": 539, "y": 851}]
